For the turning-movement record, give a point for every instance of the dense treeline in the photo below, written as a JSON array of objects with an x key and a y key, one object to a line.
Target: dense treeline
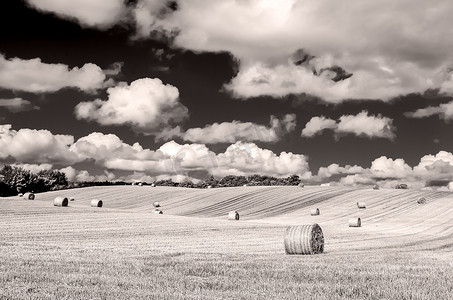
[{"x": 14, "y": 180}]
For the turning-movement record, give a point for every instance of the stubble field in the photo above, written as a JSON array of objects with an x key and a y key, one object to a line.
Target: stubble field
[{"x": 404, "y": 250}]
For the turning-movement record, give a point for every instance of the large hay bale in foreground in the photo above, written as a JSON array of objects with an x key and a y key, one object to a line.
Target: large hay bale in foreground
[
  {"x": 29, "y": 196},
  {"x": 421, "y": 201},
  {"x": 355, "y": 222},
  {"x": 314, "y": 212},
  {"x": 361, "y": 205},
  {"x": 96, "y": 203},
  {"x": 156, "y": 204},
  {"x": 304, "y": 239},
  {"x": 158, "y": 211},
  {"x": 60, "y": 201},
  {"x": 233, "y": 215}
]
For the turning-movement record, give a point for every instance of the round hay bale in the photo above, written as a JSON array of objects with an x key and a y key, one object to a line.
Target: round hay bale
[
  {"x": 60, "y": 201},
  {"x": 361, "y": 205},
  {"x": 20, "y": 195},
  {"x": 301, "y": 185},
  {"x": 421, "y": 201},
  {"x": 71, "y": 199},
  {"x": 153, "y": 185},
  {"x": 140, "y": 184},
  {"x": 156, "y": 204},
  {"x": 96, "y": 203},
  {"x": 209, "y": 187},
  {"x": 376, "y": 187},
  {"x": 304, "y": 239},
  {"x": 29, "y": 196},
  {"x": 233, "y": 215},
  {"x": 158, "y": 211},
  {"x": 355, "y": 222},
  {"x": 314, "y": 212}
]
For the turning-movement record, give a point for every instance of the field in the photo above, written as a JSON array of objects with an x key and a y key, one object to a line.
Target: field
[{"x": 404, "y": 250}]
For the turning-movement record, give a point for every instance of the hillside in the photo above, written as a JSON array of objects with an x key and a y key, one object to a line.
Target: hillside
[{"x": 392, "y": 218}]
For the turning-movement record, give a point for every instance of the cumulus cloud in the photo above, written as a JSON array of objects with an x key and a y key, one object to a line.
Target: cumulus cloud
[
  {"x": 387, "y": 168},
  {"x": 444, "y": 111},
  {"x": 147, "y": 105},
  {"x": 37, "y": 77},
  {"x": 360, "y": 125},
  {"x": 264, "y": 35},
  {"x": 16, "y": 105},
  {"x": 35, "y": 146},
  {"x": 83, "y": 175},
  {"x": 100, "y": 13},
  {"x": 231, "y": 132},
  {"x": 317, "y": 125}
]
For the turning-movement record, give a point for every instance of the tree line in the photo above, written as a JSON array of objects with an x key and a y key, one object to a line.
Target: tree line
[{"x": 14, "y": 180}]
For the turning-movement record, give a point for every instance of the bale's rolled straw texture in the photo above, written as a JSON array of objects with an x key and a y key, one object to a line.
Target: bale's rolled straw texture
[
  {"x": 96, "y": 203},
  {"x": 314, "y": 212},
  {"x": 158, "y": 211},
  {"x": 29, "y": 196},
  {"x": 304, "y": 239},
  {"x": 361, "y": 205},
  {"x": 355, "y": 222},
  {"x": 60, "y": 201},
  {"x": 233, "y": 215},
  {"x": 156, "y": 204},
  {"x": 421, "y": 201}
]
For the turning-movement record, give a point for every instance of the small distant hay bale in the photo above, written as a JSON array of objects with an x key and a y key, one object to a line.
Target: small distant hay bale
[
  {"x": 60, "y": 201},
  {"x": 153, "y": 185},
  {"x": 71, "y": 199},
  {"x": 29, "y": 196},
  {"x": 304, "y": 239},
  {"x": 355, "y": 222},
  {"x": 314, "y": 212},
  {"x": 134, "y": 183},
  {"x": 244, "y": 185},
  {"x": 421, "y": 201},
  {"x": 301, "y": 185},
  {"x": 140, "y": 184},
  {"x": 20, "y": 195},
  {"x": 376, "y": 187},
  {"x": 361, "y": 205},
  {"x": 158, "y": 211},
  {"x": 233, "y": 215},
  {"x": 156, "y": 204},
  {"x": 96, "y": 203},
  {"x": 209, "y": 187}
]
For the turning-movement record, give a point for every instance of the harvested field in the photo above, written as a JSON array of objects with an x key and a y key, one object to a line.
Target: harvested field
[{"x": 192, "y": 251}]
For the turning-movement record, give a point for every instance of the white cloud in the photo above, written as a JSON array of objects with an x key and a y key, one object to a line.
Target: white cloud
[
  {"x": 364, "y": 125},
  {"x": 16, "y": 105},
  {"x": 83, "y": 175},
  {"x": 37, "y": 77},
  {"x": 444, "y": 111},
  {"x": 360, "y": 125},
  {"x": 35, "y": 146},
  {"x": 359, "y": 36},
  {"x": 435, "y": 167},
  {"x": 384, "y": 167},
  {"x": 99, "y": 13},
  {"x": 336, "y": 169},
  {"x": 231, "y": 132},
  {"x": 317, "y": 124},
  {"x": 147, "y": 105}
]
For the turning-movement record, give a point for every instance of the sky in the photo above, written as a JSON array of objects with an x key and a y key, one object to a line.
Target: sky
[{"x": 353, "y": 93}]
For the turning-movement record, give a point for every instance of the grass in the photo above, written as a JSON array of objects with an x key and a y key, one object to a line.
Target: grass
[{"x": 79, "y": 252}]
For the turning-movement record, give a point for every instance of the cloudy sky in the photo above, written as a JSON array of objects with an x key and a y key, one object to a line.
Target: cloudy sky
[{"x": 352, "y": 93}]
